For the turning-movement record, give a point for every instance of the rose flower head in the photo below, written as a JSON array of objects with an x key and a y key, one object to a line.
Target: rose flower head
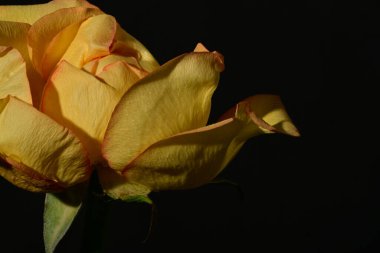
[{"x": 78, "y": 93}]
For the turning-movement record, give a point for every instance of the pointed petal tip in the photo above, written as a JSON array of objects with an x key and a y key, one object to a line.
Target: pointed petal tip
[
  {"x": 200, "y": 48},
  {"x": 290, "y": 129},
  {"x": 219, "y": 61}
]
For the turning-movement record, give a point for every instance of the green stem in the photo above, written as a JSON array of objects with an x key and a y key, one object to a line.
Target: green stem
[{"x": 95, "y": 217}]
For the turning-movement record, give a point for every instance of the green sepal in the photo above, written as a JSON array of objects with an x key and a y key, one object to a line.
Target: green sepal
[
  {"x": 139, "y": 199},
  {"x": 60, "y": 211}
]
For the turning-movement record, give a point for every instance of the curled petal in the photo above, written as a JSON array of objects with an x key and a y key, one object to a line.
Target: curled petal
[
  {"x": 126, "y": 44},
  {"x": 266, "y": 111},
  {"x": 36, "y": 153},
  {"x": 81, "y": 102},
  {"x": 13, "y": 78},
  {"x": 93, "y": 40},
  {"x": 31, "y": 13},
  {"x": 195, "y": 157},
  {"x": 171, "y": 100}
]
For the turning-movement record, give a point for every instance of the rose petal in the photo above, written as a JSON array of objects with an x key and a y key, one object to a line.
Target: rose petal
[
  {"x": 13, "y": 78},
  {"x": 121, "y": 75},
  {"x": 31, "y": 13},
  {"x": 50, "y": 36},
  {"x": 268, "y": 112},
  {"x": 127, "y": 45},
  {"x": 97, "y": 65},
  {"x": 36, "y": 153},
  {"x": 81, "y": 102},
  {"x": 93, "y": 40},
  {"x": 173, "y": 99},
  {"x": 194, "y": 158},
  {"x": 14, "y": 34}
]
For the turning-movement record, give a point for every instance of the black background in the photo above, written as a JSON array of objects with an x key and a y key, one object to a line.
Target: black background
[{"x": 317, "y": 193}]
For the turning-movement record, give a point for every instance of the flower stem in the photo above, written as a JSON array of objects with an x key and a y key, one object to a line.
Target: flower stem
[{"x": 95, "y": 218}]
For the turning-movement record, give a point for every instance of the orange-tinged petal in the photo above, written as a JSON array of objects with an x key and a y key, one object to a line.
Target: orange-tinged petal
[
  {"x": 31, "y": 13},
  {"x": 194, "y": 158},
  {"x": 55, "y": 31},
  {"x": 14, "y": 34},
  {"x": 36, "y": 153},
  {"x": 81, "y": 102},
  {"x": 173, "y": 99},
  {"x": 13, "y": 78},
  {"x": 127, "y": 45}
]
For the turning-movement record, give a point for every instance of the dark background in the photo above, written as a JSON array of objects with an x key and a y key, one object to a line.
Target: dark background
[{"x": 317, "y": 193}]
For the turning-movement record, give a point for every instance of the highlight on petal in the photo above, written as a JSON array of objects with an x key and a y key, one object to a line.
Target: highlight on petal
[
  {"x": 193, "y": 158},
  {"x": 31, "y": 13},
  {"x": 36, "y": 153},
  {"x": 82, "y": 103},
  {"x": 13, "y": 78},
  {"x": 50, "y": 36},
  {"x": 171, "y": 100}
]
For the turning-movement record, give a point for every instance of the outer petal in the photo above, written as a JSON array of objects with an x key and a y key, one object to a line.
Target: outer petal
[
  {"x": 15, "y": 35},
  {"x": 53, "y": 34},
  {"x": 194, "y": 158},
  {"x": 31, "y": 13},
  {"x": 13, "y": 78},
  {"x": 82, "y": 103},
  {"x": 268, "y": 112},
  {"x": 173, "y": 99},
  {"x": 36, "y": 153}
]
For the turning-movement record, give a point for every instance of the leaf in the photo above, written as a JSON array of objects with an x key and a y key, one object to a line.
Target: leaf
[{"x": 60, "y": 211}]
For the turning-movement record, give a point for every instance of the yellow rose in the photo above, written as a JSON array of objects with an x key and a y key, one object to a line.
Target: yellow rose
[{"x": 78, "y": 92}]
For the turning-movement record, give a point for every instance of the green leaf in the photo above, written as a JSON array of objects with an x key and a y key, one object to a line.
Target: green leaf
[{"x": 60, "y": 211}]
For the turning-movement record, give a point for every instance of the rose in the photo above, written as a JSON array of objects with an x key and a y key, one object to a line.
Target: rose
[{"x": 77, "y": 92}]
